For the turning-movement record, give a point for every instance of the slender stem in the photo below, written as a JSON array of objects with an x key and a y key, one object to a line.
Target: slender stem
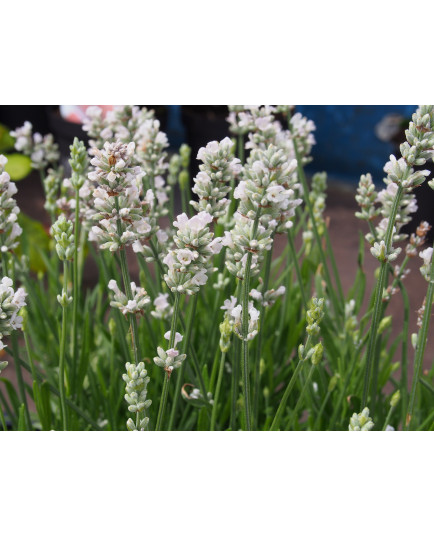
[
  {"x": 321, "y": 410},
  {"x": 163, "y": 400},
  {"x": 2, "y": 420},
  {"x": 128, "y": 292},
  {"x": 303, "y": 392},
  {"x": 217, "y": 391},
  {"x": 257, "y": 386},
  {"x": 245, "y": 365},
  {"x": 389, "y": 415},
  {"x": 235, "y": 370},
  {"x": 75, "y": 291},
  {"x": 378, "y": 299},
  {"x": 180, "y": 376},
  {"x": 245, "y": 372},
  {"x": 240, "y": 147},
  {"x": 297, "y": 268},
  {"x": 63, "y": 352},
  {"x": 288, "y": 391},
  {"x": 337, "y": 305},
  {"x": 421, "y": 345}
]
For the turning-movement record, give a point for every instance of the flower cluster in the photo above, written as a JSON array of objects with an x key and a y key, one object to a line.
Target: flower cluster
[
  {"x": 78, "y": 163},
  {"x": 62, "y": 231},
  {"x": 137, "y": 305},
  {"x": 302, "y": 135},
  {"x": 400, "y": 174},
  {"x": 234, "y": 315},
  {"x": 120, "y": 123},
  {"x": 240, "y": 119},
  {"x": 266, "y": 188},
  {"x": 213, "y": 182},
  {"x": 119, "y": 213},
  {"x": 267, "y": 205},
  {"x": 41, "y": 149},
  {"x": 269, "y": 297},
  {"x": 187, "y": 264},
  {"x": 170, "y": 359},
  {"x": 314, "y": 316},
  {"x": 10, "y": 304},
  {"x": 366, "y": 198},
  {"x": 151, "y": 145},
  {"x": 361, "y": 422},
  {"x": 9, "y": 228},
  {"x": 417, "y": 239},
  {"x": 136, "y": 392},
  {"x": 51, "y": 183}
]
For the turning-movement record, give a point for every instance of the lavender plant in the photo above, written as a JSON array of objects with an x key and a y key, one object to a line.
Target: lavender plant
[{"x": 240, "y": 300}]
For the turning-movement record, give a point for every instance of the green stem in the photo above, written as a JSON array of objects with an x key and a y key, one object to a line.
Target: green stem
[
  {"x": 2, "y": 420},
  {"x": 75, "y": 292},
  {"x": 297, "y": 268},
  {"x": 217, "y": 391},
  {"x": 303, "y": 391},
  {"x": 389, "y": 415},
  {"x": 63, "y": 352},
  {"x": 180, "y": 376},
  {"x": 288, "y": 391},
  {"x": 235, "y": 370},
  {"x": 163, "y": 400},
  {"x": 421, "y": 345},
  {"x": 378, "y": 300},
  {"x": 128, "y": 292},
  {"x": 245, "y": 365},
  {"x": 259, "y": 341},
  {"x": 337, "y": 305}
]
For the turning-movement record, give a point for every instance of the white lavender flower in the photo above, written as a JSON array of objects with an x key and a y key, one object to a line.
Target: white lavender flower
[
  {"x": 163, "y": 309},
  {"x": 361, "y": 422},
  {"x": 253, "y": 326},
  {"x": 213, "y": 182},
  {"x": 187, "y": 264},
  {"x": 119, "y": 212},
  {"x": 302, "y": 135},
  {"x": 269, "y": 186},
  {"x": 10, "y": 230},
  {"x": 170, "y": 359},
  {"x": 378, "y": 251},
  {"x": 269, "y": 297},
  {"x": 136, "y": 392},
  {"x": 426, "y": 256},
  {"x": 41, "y": 149},
  {"x": 10, "y": 304},
  {"x": 366, "y": 198},
  {"x": 137, "y": 305},
  {"x": 240, "y": 119}
]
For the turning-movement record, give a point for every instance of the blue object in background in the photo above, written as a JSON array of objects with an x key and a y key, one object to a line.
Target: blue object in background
[
  {"x": 175, "y": 128},
  {"x": 347, "y": 144}
]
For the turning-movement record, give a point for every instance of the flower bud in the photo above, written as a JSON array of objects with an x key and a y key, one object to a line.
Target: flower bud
[
  {"x": 395, "y": 398},
  {"x": 184, "y": 179},
  {"x": 317, "y": 354},
  {"x": 385, "y": 323}
]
